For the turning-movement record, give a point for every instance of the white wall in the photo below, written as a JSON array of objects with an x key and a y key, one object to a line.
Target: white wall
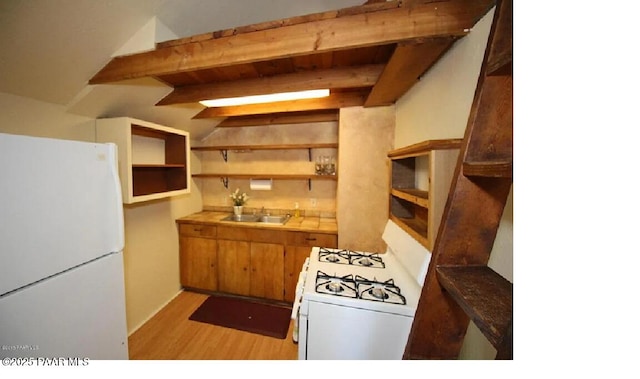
[
  {"x": 151, "y": 238},
  {"x": 438, "y": 107}
]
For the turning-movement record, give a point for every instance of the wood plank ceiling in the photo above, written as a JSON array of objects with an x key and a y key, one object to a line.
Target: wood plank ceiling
[{"x": 368, "y": 55}]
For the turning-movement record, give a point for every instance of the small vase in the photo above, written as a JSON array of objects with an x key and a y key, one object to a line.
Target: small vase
[{"x": 237, "y": 210}]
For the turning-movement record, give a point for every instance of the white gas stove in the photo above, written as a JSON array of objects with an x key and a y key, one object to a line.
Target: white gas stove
[{"x": 359, "y": 305}]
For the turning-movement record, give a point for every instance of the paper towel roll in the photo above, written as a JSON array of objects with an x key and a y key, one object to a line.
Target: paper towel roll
[{"x": 260, "y": 184}]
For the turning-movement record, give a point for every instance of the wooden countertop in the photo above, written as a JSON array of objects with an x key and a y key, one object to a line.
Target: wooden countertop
[{"x": 305, "y": 224}]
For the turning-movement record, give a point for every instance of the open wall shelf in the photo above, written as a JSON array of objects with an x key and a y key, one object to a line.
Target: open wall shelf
[{"x": 153, "y": 160}]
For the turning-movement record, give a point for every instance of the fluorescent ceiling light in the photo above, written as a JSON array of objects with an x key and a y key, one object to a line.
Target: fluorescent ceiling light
[{"x": 258, "y": 99}]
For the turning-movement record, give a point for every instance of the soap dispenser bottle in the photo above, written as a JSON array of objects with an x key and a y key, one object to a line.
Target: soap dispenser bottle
[{"x": 297, "y": 210}]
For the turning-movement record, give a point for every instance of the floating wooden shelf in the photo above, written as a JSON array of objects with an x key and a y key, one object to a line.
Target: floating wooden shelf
[
  {"x": 484, "y": 295},
  {"x": 224, "y": 149},
  {"x": 267, "y": 176},
  {"x": 225, "y": 177},
  {"x": 267, "y": 147}
]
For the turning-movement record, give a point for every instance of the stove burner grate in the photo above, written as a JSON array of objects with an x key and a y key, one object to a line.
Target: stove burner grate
[
  {"x": 339, "y": 286},
  {"x": 349, "y": 257},
  {"x": 359, "y": 288}
]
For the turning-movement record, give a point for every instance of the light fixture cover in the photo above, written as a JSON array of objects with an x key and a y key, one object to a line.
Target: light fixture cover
[{"x": 270, "y": 98}]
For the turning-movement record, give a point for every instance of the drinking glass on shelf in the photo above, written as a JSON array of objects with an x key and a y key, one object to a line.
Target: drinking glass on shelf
[
  {"x": 319, "y": 165},
  {"x": 332, "y": 166},
  {"x": 325, "y": 165}
]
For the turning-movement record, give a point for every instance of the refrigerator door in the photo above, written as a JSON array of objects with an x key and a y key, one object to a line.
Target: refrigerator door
[
  {"x": 61, "y": 206},
  {"x": 79, "y": 313}
]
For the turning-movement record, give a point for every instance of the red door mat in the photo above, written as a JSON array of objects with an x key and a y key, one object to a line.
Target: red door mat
[{"x": 251, "y": 316}]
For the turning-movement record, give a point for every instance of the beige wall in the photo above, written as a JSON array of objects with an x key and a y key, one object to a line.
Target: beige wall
[
  {"x": 366, "y": 136},
  {"x": 284, "y": 193},
  {"x": 151, "y": 238},
  {"x": 438, "y": 107}
]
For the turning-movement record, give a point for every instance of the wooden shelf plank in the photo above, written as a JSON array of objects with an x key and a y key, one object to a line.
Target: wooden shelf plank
[
  {"x": 412, "y": 195},
  {"x": 158, "y": 166},
  {"x": 422, "y": 147},
  {"x": 493, "y": 169},
  {"x": 484, "y": 295},
  {"x": 267, "y": 147},
  {"x": 415, "y": 227},
  {"x": 267, "y": 176}
]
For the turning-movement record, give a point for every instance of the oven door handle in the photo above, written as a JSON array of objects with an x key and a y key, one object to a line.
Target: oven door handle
[{"x": 299, "y": 289}]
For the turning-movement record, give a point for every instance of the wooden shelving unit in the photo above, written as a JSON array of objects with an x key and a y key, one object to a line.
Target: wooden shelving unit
[
  {"x": 420, "y": 179},
  {"x": 224, "y": 149},
  {"x": 153, "y": 160}
]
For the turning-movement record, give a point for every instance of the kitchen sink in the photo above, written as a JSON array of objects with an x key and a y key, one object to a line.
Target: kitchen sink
[
  {"x": 274, "y": 219},
  {"x": 242, "y": 218},
  {"x": 265, "y": 219}
]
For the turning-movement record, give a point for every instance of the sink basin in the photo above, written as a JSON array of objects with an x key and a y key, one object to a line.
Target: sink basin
[
  {"x": 242, "y": 218},
  {"x": 274, "y": 219},
  {"x": 265, "y": 219}
]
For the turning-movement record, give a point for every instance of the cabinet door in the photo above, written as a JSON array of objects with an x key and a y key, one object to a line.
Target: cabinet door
[
  {"x": 267, "y": 270},
  {"x": 234, "y": 259},
  {"x": 294, "y": 258},
  {"x": 299, "y": 246},
  {"x": 198, "y": 260}
]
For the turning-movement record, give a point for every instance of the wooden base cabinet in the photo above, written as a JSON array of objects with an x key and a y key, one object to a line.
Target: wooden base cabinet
[
  {"x": 298, "y": 248},
  {"x": 267, "y": 270},
  {"x": 251, "y": 262},
  {"x": 198, "y": 257},
  {"x": 246, "y": 261},
  {"x": 234, "y": 261},
  {"x": 251, "y": 269}
]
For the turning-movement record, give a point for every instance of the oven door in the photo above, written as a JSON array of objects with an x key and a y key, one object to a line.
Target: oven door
[
  {"x": 342, "y": 332},
  {"x": 295, "y": 310}
]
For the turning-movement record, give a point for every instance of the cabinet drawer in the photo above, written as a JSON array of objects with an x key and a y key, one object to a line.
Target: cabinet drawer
[
  {"x": 312, "y": 239},
  {"x": 197, "y": 230},
  {"x": 251, "y": 234}
]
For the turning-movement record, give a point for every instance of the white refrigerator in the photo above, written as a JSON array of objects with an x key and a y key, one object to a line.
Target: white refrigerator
[{"x": 61, "y": 242}]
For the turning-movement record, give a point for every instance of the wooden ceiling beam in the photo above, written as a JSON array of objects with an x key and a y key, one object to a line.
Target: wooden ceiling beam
[
  {"x": 334, "y": 101},
  {"x": 374, "y": 6},
  {"x": 448, "y": 18},
  {"x": 407, "y": 64},
  {"x": 348, "y": 77},
  {"x": 281, "y": 119}
]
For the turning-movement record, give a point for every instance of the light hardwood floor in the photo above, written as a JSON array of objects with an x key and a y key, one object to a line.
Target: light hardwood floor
[{"x": 170, "y": 335}]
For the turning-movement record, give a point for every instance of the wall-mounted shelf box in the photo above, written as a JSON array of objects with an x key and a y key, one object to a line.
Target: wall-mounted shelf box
[
  {"x": 153, "y": 160},
  {"x": 420, "y": 179}
]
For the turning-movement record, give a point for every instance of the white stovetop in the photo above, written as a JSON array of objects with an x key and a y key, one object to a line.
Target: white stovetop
[{"x": 393, "y": 270}]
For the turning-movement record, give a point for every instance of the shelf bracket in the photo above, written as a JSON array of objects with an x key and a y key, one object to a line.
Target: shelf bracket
[
  {"x": 223, "y": 152},
  {"x": 225, "y": 182}
]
